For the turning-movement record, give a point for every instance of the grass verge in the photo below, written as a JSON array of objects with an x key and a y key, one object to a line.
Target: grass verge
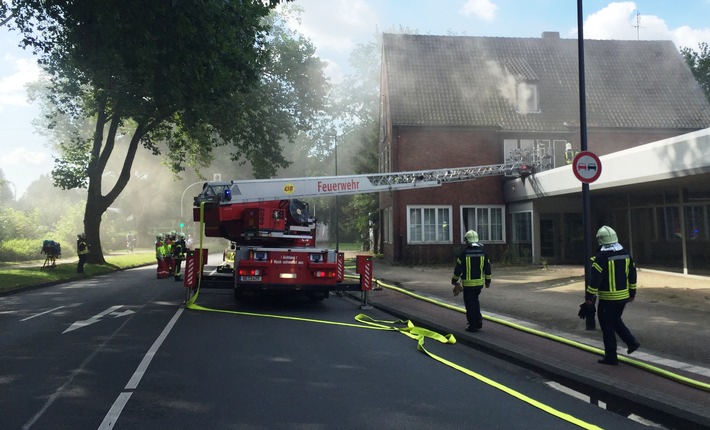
[{"x": 14, "y": 277}]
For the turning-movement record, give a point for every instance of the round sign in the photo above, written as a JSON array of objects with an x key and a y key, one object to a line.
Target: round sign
[{"x": 587, "y": 167}]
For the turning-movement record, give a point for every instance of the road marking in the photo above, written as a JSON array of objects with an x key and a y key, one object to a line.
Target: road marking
[
  {"x": 115, "y": 411},
  {"x": 41, "y": 313},
  {"x": 96, "y": 318},
  {"x": 113, "y": 414}
]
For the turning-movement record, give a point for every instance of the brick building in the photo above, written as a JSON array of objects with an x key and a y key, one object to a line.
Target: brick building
[{"x": 465, "y": 101}]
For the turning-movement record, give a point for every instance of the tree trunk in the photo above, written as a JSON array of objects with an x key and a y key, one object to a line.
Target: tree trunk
[
  {"x": 92, "y": 228},
  {"x": 96, "y": 203}
]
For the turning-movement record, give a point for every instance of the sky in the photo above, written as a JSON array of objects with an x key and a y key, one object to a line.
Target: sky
[{"x": 337, "y": 26}]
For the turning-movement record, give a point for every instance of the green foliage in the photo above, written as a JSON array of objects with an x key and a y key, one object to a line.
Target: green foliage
[
  {"x": 70, "y": 171},
  {"x": 6, "y": 193},
  {"x": 357, "y": 108},
  {"x": 21, "y": 250},
  {"x": 4, "y": 13},
  {"x": 179, "y": 77},
  {"x": 17, "y": 224},
  {"x": 16, "y": 277},
  {"x": 359, "y": 214},
  {"x": 67, "y": 227},
  {"x": 699, "y": 63}
]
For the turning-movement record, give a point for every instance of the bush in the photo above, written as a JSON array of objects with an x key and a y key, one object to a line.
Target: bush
[
  {"x": 22, "y": 250},
  {"x": 14, "y": 224}
]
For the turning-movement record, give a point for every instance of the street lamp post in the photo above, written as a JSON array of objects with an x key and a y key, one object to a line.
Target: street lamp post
[
  {"x": 337, "y": 240},
  {"x": 182, "y": 204}
]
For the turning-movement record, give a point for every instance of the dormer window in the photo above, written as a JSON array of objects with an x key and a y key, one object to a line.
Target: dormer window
[{"x": 526, "y": 97}]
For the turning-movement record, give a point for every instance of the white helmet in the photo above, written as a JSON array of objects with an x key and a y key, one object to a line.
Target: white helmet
[
  {"x": 471, "y": 237},
  {"x": 606, "y": 236}
]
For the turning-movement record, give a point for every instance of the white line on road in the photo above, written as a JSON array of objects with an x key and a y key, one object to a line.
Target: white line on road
[
  {"x": 117, "y": 407},
  {"x": 115, "y": 411},
  {"x": 41, "y": 313}
]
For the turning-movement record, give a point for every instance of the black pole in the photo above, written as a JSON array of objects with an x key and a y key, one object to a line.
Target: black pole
[
  {"x": 586, "y": 204},
  {"x": 337, "y": 208}
]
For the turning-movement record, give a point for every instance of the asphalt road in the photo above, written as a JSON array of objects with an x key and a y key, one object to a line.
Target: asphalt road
[{"x": 120, "y": 351}]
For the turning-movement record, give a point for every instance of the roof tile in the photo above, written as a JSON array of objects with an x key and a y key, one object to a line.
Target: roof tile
[{"x": 470, "y": 81}]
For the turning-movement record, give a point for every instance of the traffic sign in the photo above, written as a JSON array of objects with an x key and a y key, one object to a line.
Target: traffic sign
[{"x": 587, "y": 167}]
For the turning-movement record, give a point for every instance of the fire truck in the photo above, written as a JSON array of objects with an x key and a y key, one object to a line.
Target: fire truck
[{"x": 273, "y": 232}]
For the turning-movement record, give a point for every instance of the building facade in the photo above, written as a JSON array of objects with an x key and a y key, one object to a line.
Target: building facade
[{"x": 467, "y": 101}]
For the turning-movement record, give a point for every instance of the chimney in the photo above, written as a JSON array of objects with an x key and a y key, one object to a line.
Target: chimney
[{"x": 551, "y": 35}]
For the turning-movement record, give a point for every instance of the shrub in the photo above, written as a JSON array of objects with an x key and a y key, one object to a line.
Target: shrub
[{"x": 23, "y": 250}]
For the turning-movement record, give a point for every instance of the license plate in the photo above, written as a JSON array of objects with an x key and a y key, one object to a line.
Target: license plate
[{"x": 250, "y": 278}]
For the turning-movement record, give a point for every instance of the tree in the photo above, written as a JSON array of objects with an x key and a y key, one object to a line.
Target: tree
[
  {"x": 699, "y": 63},
  {"x": 191, "y": 76},
  {"x": 6, "y": 193},
  {"x": 357, "y": 109},
  {"x": 5, "y": 15}
]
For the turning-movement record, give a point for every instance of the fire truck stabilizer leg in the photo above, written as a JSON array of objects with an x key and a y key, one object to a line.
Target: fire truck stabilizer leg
[{"x": 365, "y": 301}]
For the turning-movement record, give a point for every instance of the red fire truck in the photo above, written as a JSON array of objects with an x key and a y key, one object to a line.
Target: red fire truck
[{"x": 273, "y": 232}]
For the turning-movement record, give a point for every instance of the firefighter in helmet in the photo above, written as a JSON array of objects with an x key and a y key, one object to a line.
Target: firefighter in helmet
[
  {"x": 82, "y": 250},
  {"x": 613, "y": 282},
  {"x": 179, "y": 248},
  {"x": 471, "y": 272},
  {"x": 569, "y": 153},
  {"x": 168, "y": 244},
  {"x": 162, "y": 270}
]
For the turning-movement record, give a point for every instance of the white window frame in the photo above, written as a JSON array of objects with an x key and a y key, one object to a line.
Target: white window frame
[
  {"x": 486, "y": 232},
  {"x": 441, "y": 225}
]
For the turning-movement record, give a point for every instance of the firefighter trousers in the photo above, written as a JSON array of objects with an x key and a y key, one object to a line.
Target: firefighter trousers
[
  {"x": 609, "y": 312},
  {"x": 473, "y": 306}
]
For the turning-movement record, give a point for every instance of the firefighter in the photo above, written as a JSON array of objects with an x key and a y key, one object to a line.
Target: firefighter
[
  {"x": 613, "y": 282},
  {"x": 82, "y": 250},
  {"x": 471, "y": 273},
  {"x": 569, "y": 153},
  {"x": 162, "y": 270},
  {"x": 169, "y": 261},
  {"x": 179, "y": 248}
]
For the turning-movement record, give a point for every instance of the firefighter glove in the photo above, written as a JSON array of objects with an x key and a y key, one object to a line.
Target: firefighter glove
[
  {"x": 457, "y": 288},
  {"x": 586, "y": 310}
]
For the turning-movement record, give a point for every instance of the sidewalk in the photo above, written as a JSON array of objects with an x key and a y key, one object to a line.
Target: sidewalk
[{"x": 670, "y": 317}]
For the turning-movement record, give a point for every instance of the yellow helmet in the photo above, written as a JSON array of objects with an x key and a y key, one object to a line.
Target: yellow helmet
[
  {"x": 606, "y": 236},
  {"x": 471, "y": 236}
]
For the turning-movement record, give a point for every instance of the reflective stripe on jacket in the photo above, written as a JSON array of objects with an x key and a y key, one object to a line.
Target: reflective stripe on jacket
[
  {"x": 179, "y": 250},
  {"x": 613, "y": 276},
  {"x": 473, "y": 267}
]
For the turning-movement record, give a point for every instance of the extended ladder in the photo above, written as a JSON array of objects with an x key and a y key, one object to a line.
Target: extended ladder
[{"x": 289, "y": 188}]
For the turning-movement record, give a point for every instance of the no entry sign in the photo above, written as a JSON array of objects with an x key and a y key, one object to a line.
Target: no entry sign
[{"x": 587, "y": 167}]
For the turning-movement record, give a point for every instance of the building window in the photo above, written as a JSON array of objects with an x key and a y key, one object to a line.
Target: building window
[
  {"x": 521, "y": 249},
  {"x": 387, "y": 225},
  {"x": 522, "y": 227},
  {"x": 428, "y": 224},
  {"x": 695, "y": 218},
  {"x": 526, "y": 94},
  {"x": 486, "y": 220}
]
